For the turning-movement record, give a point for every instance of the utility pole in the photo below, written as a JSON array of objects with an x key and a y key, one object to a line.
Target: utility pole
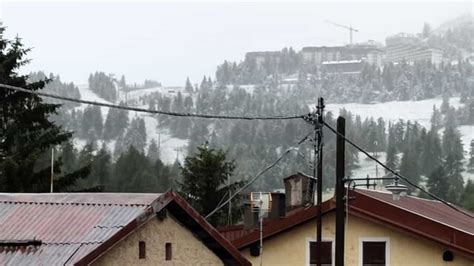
[
  {"x": 229, "y": 214},
  {"x": 318, "y": 149},
  {"x": 316, "y": 119},
  {"x": 340, "y": 165}
]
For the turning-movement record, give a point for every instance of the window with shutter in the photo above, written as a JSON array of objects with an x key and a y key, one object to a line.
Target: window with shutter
[
  {"x": 168, "y": 251},
  {"x": 373, "y": 253},
  {"x": 141, "y": 250},
  {"x": 326, "y": 253}
]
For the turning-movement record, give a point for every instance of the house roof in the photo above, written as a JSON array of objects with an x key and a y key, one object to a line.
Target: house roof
[
  {"x": 77, "y": 228},
  {"x": 423, "y": 218}
]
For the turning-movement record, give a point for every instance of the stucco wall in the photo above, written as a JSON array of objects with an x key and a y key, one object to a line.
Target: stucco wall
[
  {"x": 291, "y": 247},
  {"x": 186, "y": 248}
]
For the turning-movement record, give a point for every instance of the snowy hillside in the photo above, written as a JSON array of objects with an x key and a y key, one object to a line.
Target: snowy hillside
[
  {"x": 419, "y": 111},
  {"x": 135, "y": 95},
  {"x": 170, "y": 148}
]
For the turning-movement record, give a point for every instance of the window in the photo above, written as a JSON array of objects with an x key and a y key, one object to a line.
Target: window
[
  {"x": 374, "y": 253},
  {"x": 141, "y": 250},
  {"x": 326, "y": 253},
  {"x": 168, "y": 255}
]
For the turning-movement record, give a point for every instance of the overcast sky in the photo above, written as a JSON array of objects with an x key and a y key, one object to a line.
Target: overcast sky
[{"x": 169, "y": 41}]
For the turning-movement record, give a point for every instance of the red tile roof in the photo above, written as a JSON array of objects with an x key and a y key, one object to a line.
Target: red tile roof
[
  {"x": 428, "y": 219},
  {"x": 76, "y": 228}
]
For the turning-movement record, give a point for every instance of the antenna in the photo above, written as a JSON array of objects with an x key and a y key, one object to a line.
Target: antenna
[{"x": 261, "y": 202}]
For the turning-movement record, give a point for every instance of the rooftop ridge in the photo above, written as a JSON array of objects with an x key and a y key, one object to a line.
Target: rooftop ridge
[{"x": 73, "y": 203}]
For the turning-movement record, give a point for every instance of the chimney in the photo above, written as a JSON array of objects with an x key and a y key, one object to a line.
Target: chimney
[
  {"x": 278, "y": 206},
  {"x": 250, "y": 218},
  {"x": 299, "y": 190}
]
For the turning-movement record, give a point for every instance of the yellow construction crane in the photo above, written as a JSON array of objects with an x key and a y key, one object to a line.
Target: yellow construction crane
[{"x": 350, "y": 28}]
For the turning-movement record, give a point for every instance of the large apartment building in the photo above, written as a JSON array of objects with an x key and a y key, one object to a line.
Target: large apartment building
[
  {"x": 366, "y": 52},
  {"x": 409, "y": 48}
]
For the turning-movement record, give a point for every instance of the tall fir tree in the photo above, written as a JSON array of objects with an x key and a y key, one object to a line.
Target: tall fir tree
[
  {"x": 188, "y": 86},
  {"x": 205, "y": 181},
  {"x": 26, "y": 133},
  {"x": 153, "y": 152},
  {"x": 470, "y": 164},
  {"x": 467, "y": 198},
  {"x": 453, "y": 162}
]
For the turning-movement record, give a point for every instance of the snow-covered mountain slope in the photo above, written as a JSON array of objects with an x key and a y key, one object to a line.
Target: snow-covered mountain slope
[
  {"x": 419, "y": 111},
  {"x": 170, "y": 148},
  {"x": 135, "y": 95}
]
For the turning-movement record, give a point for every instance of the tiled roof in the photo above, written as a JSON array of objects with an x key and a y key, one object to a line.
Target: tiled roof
[{"x": 69, "y": 225}]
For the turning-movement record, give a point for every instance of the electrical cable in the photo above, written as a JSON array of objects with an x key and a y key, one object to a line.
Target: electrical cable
[
  {"x": 220, "y": 206},
  {"x": 249, "y": 183},
  {"x": 149, "y": 111},
  {"x": 396, "y": 173}
]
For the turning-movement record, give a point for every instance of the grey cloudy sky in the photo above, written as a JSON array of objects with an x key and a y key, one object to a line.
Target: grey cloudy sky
[{"x": 169, "y": 41}]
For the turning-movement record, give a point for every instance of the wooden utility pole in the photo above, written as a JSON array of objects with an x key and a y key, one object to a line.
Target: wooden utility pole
[
  {"x": 340, "y": 165},
  {"x": 319, "y": 149}
]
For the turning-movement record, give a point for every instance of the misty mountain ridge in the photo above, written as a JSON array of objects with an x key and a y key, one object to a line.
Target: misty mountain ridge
[{"x": 370, "y": 98}]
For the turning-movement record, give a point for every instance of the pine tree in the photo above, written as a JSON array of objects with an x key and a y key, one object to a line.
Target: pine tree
[
  {"x": 69, "y": 157},
  {"x": 188, "y": 87},
  {"x": 437, "y": 183},
  {"x": 133, "y": 173},
  {"x": 432, "y": 154},
  {"x": 204, "y": 183},
  {"x": 136, "y": 135},
  {"x": 467, "y": 198},
  {"x": 153, "y": 151},
  {"x": 392, "y": 158},
  {"x": 470, "y": 165},
  {"x": 426, "y": 30},
  {"x": 453, "y": 162},
  {"x": 435, "y": 118},
  {"x": 409, "y": 168},
  {"x": 26, "y": 133}
]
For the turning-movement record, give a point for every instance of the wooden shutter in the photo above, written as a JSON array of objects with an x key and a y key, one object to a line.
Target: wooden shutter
[{"x": 373, "y": 253}]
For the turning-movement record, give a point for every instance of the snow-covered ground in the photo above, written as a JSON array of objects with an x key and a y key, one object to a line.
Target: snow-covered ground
[
  {"x": 170, "y": 148},
  {"x": 369, "y": 167},
  {"x": 136, "y": 94},
  {"x": 419, "y": 111},
  {"x": 88, "y": 95}
]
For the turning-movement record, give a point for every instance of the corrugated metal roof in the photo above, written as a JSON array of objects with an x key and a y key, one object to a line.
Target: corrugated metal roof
[{"x": 69, "y": 225}]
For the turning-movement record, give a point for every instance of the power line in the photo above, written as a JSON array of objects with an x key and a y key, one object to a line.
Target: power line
[
  {"x": 250, "y": 182},
  {"x": 396, "y": 173},
  {"x": 207, "y": 116},
  {"x": 220, "y": 206}
]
